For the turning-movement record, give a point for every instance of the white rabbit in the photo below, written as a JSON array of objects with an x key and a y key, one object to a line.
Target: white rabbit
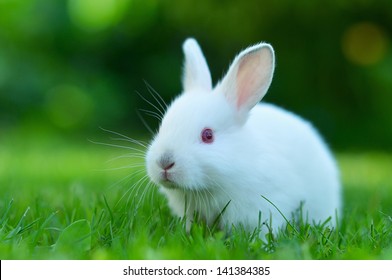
[{"x": 218, "y": 151}]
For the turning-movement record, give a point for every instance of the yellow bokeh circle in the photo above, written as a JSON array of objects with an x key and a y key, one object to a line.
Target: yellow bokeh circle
[
  {"x": 92, "y": 15},
  {"x": 364, "y": 43}
]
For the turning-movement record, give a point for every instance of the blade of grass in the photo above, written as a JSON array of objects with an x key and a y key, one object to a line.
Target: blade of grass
[{"x": 284, "y": 217}]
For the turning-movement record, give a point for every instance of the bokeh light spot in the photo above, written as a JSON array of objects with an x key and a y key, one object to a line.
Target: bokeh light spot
[
  {"x": 69, "y": 106},
  {"x": 92, "y": 15},
  {"x": 364, "y": 43}
]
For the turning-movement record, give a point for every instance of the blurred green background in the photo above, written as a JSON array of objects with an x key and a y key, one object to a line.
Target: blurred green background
[
  {"x": 69, "y": 67},
  {"x": 74, "y": 66}
]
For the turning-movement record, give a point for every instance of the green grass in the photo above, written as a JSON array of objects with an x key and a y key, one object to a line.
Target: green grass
[{"x": 57, "y": 201}]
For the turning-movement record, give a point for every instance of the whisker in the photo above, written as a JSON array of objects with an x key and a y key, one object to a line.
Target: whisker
[
  {"x": 125, "y": 138},
  {"x": 139, "y": 143},
  {"x": 151, "y": 114},
  {"x": 156, "y": 96},
  {"x": 199, "y": 200},
  {"x": 131, "y": 189},
  {"x": 130, "y": 166},
  {"x": 124, "y": 194},
  {"x": 189, "y": 199},
  {"x": 117, "y": 146},
  {"x": 150, "y": 103},
  {"x": 122, "y": 180},
  {"x": 144, "y": 122},
  {"x": 220, "y": 187},
  {"x": 205, "y": 202},
  {"x": 140, "y": 184},
  {"x": 215, "y": 203},
  {"x": 151, "y": 185},
  {"x": 136, "y": 156},
  {"x": 144, "y": 193}
]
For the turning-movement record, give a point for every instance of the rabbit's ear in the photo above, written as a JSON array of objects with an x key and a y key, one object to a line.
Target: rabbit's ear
[
  {"x": 196, "y": 73},
  {"x": 249, "y": 77}
]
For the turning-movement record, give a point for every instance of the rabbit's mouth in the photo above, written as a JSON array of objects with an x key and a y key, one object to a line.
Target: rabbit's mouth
[
  {"x": 166, "y": 180},
  {"x": 168, "y": 184}
]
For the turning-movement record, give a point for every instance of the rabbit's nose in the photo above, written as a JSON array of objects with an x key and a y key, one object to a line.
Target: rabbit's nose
[
  {"x": 166, "y": 161},
  {"x": 169, "y": 166}
]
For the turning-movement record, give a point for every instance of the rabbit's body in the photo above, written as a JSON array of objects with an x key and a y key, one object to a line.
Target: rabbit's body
[
  {"x": 219, "y": 152},
  {"x": 238, "y": 181}
]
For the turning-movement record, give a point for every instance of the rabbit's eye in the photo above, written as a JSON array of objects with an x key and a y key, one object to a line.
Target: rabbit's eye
[{"x": 207, "y": 136}]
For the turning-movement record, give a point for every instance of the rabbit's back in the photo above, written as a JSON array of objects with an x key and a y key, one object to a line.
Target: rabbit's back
[{"x": 298, "y": 161}]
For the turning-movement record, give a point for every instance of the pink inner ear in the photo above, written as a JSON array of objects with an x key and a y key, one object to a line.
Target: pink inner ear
[{"x": 252, "y": 77}]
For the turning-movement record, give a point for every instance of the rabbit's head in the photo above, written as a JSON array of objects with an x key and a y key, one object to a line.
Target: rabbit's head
[{"x": 203, "y": 131}]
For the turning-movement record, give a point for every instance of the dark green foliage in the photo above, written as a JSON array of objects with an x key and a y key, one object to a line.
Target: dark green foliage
[{"x": 333, "y": 60}]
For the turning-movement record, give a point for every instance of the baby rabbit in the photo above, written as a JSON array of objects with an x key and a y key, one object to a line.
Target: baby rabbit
[{"x": 221, "y": 152}]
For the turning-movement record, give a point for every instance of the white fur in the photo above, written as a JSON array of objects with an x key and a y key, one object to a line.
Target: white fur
[
  {"x": 196, "y": 71},
  {"x": 258, "y": 149}
]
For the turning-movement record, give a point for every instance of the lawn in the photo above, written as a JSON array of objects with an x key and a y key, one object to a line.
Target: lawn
[{"x": 64, "y": 197}]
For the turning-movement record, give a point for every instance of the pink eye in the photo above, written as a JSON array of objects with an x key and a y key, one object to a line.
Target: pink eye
[{"x": 207, "y": 136}]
